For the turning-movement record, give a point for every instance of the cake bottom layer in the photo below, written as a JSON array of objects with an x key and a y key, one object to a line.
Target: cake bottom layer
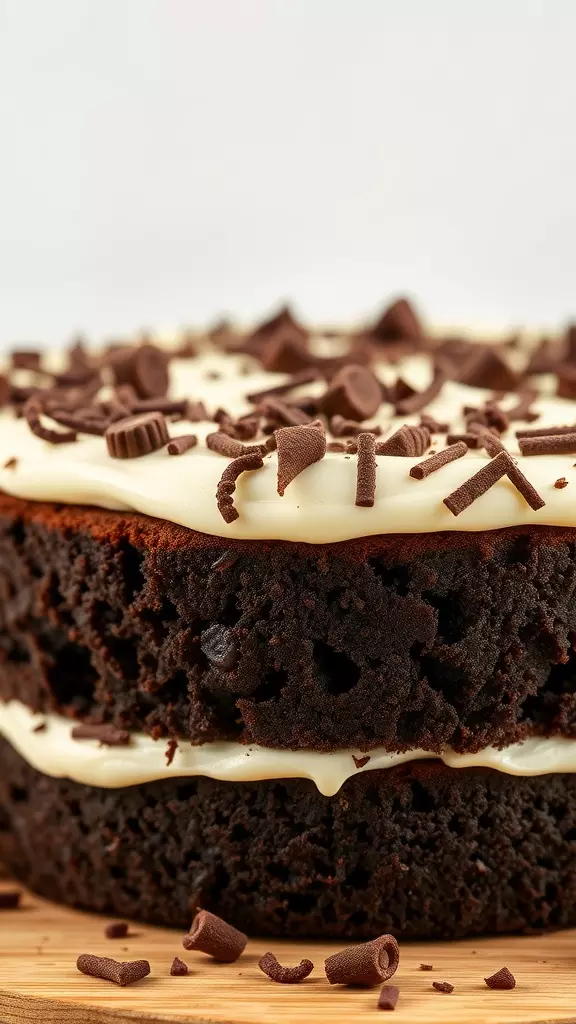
[{"x": 420, "y": 850}]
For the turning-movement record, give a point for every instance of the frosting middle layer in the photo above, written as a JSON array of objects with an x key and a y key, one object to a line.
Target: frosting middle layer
[{"x": 52, "y": 751}]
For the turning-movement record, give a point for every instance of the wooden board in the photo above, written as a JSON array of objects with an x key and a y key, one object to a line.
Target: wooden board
[{"x": 39, "y": 982}]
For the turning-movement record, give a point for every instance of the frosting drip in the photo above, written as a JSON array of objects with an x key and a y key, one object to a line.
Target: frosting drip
[
  {"x": 52, "y": 751},
  {"x": 319, "y": 505}
]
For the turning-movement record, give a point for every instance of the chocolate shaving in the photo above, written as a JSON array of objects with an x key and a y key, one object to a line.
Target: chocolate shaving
[
  {"x": 108, "y": 735},
  {"x": 437, "y": 461},
  {"x": 335, "y": 446},
  {"x": 10, "y": 899},
  {"x": 227, "y": 483},
  {"x": 485, "y": 478},
  {"x": 116, "y": 930},
  {"x": 354, "y": 393},
  {"x": 433, "y": 425},
  {"x": 550, "y": 444},
  {"x": 366, "y": 471},
  {"x": 171, "y": 749},
  {"x": 285, "y": 352},
  {"x": 361, "y": 761},
  {"x": 305, "y": 376},
  {"x": 426, "y": 967},
  {"x": 137, "y": 436},
  {"x": 351, "y": 428},
  {"x": 470, "y": 440},
  {"x": 566, "y": 377},
  {"x": 561, "y": 483},
  {"x": 298, "y": 448},
  {"x": 11, "y": 463},
  {"x": 178, "y": 968},
  {"x": 407, "y": 441},
  {"x": 79, "y": 423},
  {"x": 388, "y": 997},
  {"x": 523, "y": 409},
  {"x": 443, "y": 986},
  {"x": 285, "y": 975},
  {"x": 179, "y": 445},
  {"x": 232, "y": 449},
  {"x": 419, "y": 400},
  {"x": 503, "y": 979},
  {"x": 486, "y": 437},
  {"x": 282, "y": 414},
  {"x": 367, "y": 964},
  {"x": 113, "y": 970},
  {"x": 167, "y": 406},
  {"x": 543, "y": 359},
  {"x": 32, "y": 412},
  {"x": 217, "y": 938}
]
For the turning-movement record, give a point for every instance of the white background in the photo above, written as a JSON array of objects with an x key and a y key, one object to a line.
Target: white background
[{"x": 165, "y": 161}]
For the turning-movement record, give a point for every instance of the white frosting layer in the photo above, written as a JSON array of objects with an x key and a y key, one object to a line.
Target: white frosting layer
[
  {"x": 319, "y": 505},
  {"x": 52, "y": 751}
]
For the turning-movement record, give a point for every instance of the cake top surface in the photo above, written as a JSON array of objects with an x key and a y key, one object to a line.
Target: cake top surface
[{"x": 282, "y": 433}]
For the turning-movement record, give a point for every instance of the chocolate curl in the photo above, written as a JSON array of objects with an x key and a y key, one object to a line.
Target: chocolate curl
[
  {"x": 367, "y": 964},
  {"x": 285, "y": 975},
  {"x": 298, "y": 447},
  {"x": 227, "y": 483},
  {"x": 420, "y": 399},
  {"x": 32, "y": 413},
  {"x": 210, "y": 934},
  {"x": 366, "y": 471},
  {"x": 113, "y": 970}
]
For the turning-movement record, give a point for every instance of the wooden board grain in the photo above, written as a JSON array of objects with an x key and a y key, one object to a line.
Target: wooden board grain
[{"x": 39, "y": 982}]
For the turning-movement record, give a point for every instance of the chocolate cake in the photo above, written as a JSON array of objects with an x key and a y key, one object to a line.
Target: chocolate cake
[{"x": 287, "y": 629}]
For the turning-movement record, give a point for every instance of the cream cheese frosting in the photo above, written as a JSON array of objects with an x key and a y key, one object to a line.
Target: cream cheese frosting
[
  {"x": 318, "y": 506},
  {"x": 52, "y": 751}
]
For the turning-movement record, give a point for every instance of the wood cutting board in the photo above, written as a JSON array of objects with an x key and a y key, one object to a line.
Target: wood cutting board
[{"x": 39, "y": 982}]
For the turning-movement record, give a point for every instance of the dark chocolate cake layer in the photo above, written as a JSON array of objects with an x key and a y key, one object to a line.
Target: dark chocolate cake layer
[
  {"x": 419, "y": 850},
  {"x": 405, "y": 641}
]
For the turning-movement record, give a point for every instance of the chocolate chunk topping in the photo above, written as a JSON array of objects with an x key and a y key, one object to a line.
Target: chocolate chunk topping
[
  {"x": 485, "y": 478},
  {"x": 367, "y": 964},
  {"x": 366, "y": 470},
  {"x": 26, "y": 359},
  {"x": 398, "y": 323},
  {"x": 32, "y": 413},
  {"x": 108, "y": 735},
  {"x": 178, "y": 968},
  {"x": 10, "y": 900},
  {"x": 285, "y": 975},
  {"x": 435, "y": 462},
  {"x": 217, "y": 938},
  {"x": 550, "y": 444},
  {"x": 218, "y": 644},
  {"x": 354, "y": 393},
  {"x": 179, "y": 445},
  {"x": 116, "y": 930},
  {"x": 443, "y": 986},
  {"x": 145, "y": 368},
  {"x": 407, "y": 441},
  {"x": 503, "y": 979},
  {"x": 227, "y": 483},
  {"x": 388, "y": 997},
  {"x": 298, "y": 447},
  {"x": 561, "y": 483},
  {"x": 486, "y": 368},
  {"x": 137, "y": 435},
  {"x": 419, "y": 400},
  {"x": 113, "y": 970}
]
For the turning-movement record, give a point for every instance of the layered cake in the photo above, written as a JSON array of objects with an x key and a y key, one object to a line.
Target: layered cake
[{"x": 287, "y": 628}]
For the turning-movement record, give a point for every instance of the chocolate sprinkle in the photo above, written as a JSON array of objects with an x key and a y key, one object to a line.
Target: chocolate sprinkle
[
  {"x": 366, "y": 471},
  {"x": 503, "y": 979},
  {"x": 179, "y": 445},
  {"x": 227, "y": 483},
  {"x": 178, "y": 968},
  {"x": 108, "y": 735},
  {"x": 485, "y": 478},
  {"x": 136, "y": 436},
  {"x": 443, "y": 986},
  {"x": 298, "y": 448},
  {"x": 116, "y": 930},
  {"x": 113, "y": 970},
  {"x": 285, "y": 975},
  {"x": 211, "y": 935},
  {"x": 10, "y": 900},
  {"x": 367, "y": 964},
  {"x": 437, "y": 461},
  {"x": 550, "y": 444},
  {"x": 388, "y": 997}
]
